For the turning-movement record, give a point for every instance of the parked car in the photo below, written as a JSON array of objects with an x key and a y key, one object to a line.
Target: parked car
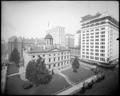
[
  {"x": 82, "y": 90},
  {"x": 100, "y": 77},
  {"x": 27, "y": 85},
  {"x": 85, "y": 85}
]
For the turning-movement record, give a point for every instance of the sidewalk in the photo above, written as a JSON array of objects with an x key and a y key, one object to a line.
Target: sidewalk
[{"x": 3, "y": 79}]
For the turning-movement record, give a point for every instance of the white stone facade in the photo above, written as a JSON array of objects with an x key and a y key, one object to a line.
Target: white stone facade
[
  {"x": 98, "y": 40},
  {"x": 55, "y": 59}
]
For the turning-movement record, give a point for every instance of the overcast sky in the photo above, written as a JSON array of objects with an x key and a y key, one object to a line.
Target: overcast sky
[{"x": 30, "y": 18}]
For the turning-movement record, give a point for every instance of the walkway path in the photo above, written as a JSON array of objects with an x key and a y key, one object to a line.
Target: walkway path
[
  {"x": 21, "y": 73},
  {"x": 66, "y": 78},
  {"x": 75, "y": 88}
]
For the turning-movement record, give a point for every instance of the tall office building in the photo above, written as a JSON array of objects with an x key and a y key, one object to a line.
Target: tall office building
[
  {"x": 98, "y": 38},
  {"x": 79, "y": 40},
  {"x": 15, "y": 42},
  {"x": 58, "y": 34},
  {"x": 69, "y": 40}
]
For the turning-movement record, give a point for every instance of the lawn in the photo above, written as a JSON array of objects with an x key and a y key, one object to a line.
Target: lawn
[
  {"x": 58, "y": 83},
  {"x": 78, "y": 76},
  {"x": 12, "y": 69},
  {"x": 14, "y": 86}
]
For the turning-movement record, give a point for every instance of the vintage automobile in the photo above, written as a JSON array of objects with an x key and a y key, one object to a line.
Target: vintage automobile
[{"x": 27, "y": 85}]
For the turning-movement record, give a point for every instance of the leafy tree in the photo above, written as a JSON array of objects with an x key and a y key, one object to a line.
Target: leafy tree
[
  {"x": 37, "y": 73},
  {"x": 75, "y": 64},
  {"x": 15, "y": 57}
]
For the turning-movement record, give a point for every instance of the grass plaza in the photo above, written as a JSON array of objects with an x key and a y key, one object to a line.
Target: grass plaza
[{"x": 58, "y": 83}]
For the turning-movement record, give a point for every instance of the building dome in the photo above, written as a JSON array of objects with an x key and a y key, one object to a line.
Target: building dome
[{"x": 48, "y": 36}]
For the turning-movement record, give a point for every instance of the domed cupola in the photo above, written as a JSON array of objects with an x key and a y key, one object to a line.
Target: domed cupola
[{"x": 48, "y": 40}]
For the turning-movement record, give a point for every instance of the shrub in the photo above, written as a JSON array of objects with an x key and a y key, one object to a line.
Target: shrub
[
  {"x": 37, "y": 73},
  {"x": 75, "y": 64},
  {"x": 15, "y": 57}
]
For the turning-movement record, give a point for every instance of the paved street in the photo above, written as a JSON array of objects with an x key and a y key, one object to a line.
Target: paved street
[{"x": 108, "y": 86}]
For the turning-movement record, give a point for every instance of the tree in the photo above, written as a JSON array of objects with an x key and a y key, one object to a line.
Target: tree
[
  {"x": 75, "y": 64},
  {"x": 37, "y": 73},
  {"x": 15, "y": 57}
]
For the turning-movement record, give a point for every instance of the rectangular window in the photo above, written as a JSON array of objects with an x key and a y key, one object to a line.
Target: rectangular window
[
  {"x": 96, "y": 46},
  {"x": 83, "y": 52},
  {"x": 91, "y": 53},
  {"x": 102, "y": 59},
  {"x": 58, "y": 64},
  {"x": 96, "y": 50},
  {"x": 49, "y": 60},
  {"x": 103, "y": 43},
  {"x": 97, "y": 54},
  {"x": 96, "y": 58},
  {"x": 62, "y": 58},
  {"x": 102, "y": 50},
  {"x": 102, "y": 54},
  {"x": 91, "y": 50},
  {"x": 102, "y": 35},
  {"x": 92, "y": 33},
  {"x": 87, "y": 47},
  {"x": 87, "y": 52},
  {"x": 91, "y": 46},
  {"x": 96, "y": 29},
  {"x": 83, "y": 55},
  {"x": 97, "y": 43},
  {"x": 102, "y": 28},
  {"x": 97, "y": 36},
  {"x": 96, "y": 39},
  {"x": 54, "y": 59},
  {"x": 102, "y": 46},
  {"x": 54, "y": 65},
  {"x": 91, "y": 57},
  {"x": 92, "y": 40},
  {"x": 92, "y": 36},
  {"x": 102, "y": 32},
  {"x": 83, "y": 49},
  {"x": 103, "y": 22},
  {"x": 87, "y": 56},
  {"x": 97, "y": 33}
]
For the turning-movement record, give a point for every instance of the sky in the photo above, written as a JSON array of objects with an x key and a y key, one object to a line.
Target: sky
[{"x": 30, "y": 19}]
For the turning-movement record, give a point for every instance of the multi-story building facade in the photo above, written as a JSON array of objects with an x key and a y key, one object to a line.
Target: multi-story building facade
[
  {"x": 58, "y": 34},
  {"x": 79, "y": 40},
  {"x": 4, "y": 51},
  {"x": 98, "y": 38},
  {"x": 75, "y": 52},
  {"x": 69, "y": 40},
  {"x": 55, "y": 58},
  {"x": 15, "y": 42}
]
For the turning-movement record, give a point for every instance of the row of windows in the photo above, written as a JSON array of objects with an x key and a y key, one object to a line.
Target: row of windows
[
  {"x": 58, "y": 64},
  {"x": 95, "y": 49},
  {"x": 102, "y": 39},
  {"x": 92, "y": 57},
  {"x": 92, "y": 42},
  {"x": 97, "y": 54},
  {"x": 97, "y": 32},
  {"x": 65, "y": 57},
  {"x": 91, "y": 25},
  {"x": 56, "y": 54}
]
